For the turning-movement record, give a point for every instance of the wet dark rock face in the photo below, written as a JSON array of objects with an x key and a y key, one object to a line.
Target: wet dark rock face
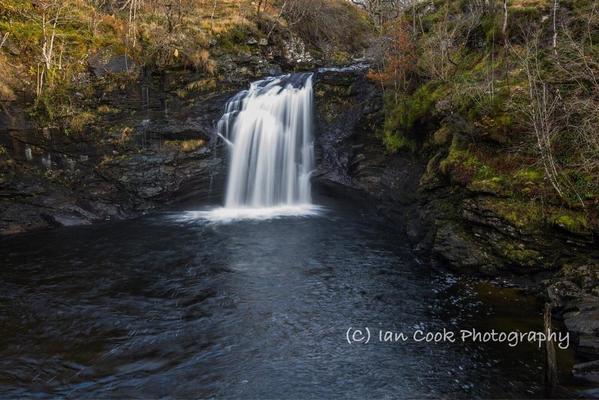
[
  {"x": 120, "y": 188},
  {"x": 150, "y": 142},
  {"x": 574, "y": 296},
  {"x": 348, "y": 150},
  {"x": 150, "y": 147}
]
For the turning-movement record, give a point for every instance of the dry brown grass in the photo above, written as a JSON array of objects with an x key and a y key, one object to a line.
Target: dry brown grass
[
  {"x": 515, "y": 4},
  {"x": 185, "y": 146},
  {"x": 8, "y": 79}
]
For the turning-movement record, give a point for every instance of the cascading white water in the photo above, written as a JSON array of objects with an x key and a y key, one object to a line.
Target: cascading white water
[{"x": 269, "y": 132}]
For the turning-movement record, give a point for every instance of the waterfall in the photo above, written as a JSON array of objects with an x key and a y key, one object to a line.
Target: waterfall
[{"x": 268, "y": 129}]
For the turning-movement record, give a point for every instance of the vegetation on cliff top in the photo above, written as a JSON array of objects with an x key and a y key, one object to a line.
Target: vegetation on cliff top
[
  {"x": 514, "y": 83},
  {"x": 48, "y": 47}
]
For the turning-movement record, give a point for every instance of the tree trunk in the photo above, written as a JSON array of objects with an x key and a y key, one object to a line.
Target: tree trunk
[
  {"x": 4, "y": 39},
  {"x": 555, "y": 7},
  {"x": 504, "y": 27}
]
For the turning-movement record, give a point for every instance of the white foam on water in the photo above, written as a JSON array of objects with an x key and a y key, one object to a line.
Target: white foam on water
[{"x": 226, "y": 214}]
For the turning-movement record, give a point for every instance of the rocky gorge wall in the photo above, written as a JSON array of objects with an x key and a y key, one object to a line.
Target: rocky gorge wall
[
  {"x": 135, "y": 139},
  {"x": 469, "y": 229},
  {"x": 147, "y": 148},
  {"x": 152, "y": 144},
  {"x": 473, "y": 230}
]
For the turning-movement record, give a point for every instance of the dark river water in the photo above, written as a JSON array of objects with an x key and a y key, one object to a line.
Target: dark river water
[{"x": 169, "y": 306}]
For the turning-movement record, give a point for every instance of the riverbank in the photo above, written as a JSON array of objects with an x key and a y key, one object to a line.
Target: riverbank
[{"x": 452, "y": 226}]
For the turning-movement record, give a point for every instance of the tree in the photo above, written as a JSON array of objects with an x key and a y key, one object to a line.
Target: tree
[
  {"x": 505, "y": 20},
  {"x": 555, "y": 7},
  {"x": 50, "y": 15},
  {"x": 133, "y": 7},
  {"x": 543, "y": 116},
  {"x": 399, "y": 57},
  {"x": 324, "y": 22}
]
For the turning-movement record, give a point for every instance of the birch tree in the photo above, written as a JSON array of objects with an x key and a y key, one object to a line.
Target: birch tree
[
  {"x": 554, "y": 41},
  {"x": 51, "y": 13}
]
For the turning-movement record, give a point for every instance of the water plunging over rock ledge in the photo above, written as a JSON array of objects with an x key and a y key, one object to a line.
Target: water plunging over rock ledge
[{"x": 268, "y": 130}]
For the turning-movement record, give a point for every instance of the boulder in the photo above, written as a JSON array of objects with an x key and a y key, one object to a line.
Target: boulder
[
  {"x": 562, "y": 292},
  {"x": 454, "y": 245}
]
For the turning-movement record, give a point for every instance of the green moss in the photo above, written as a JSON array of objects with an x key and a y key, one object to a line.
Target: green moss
[
  {"x": 419, "y": 105},
  {"x": 519, "y": 255},
  {"x": 475, "y": 105},
  {"x": 575, "y": 223},
  {"x": 504, "y": 121},
  {"x": 395, "y": 142},
  {"x": 586, "y": 186},
  {"x": 524, "y": 215},
  {"x": 463, "y": 166},
  {"x": 494, "y": 185},
  {"x": 528, "y": 176},
  {"x": 25, "y": 32}
]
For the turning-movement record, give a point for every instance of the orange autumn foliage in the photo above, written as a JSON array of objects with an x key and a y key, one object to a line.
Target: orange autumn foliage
[{"x": 398, "y": 55}]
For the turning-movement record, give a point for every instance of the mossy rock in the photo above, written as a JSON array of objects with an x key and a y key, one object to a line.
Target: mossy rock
[
  {"x": 404, "y": 113},
  {"x": 572, "y": 222},
  {"x": 493, "y": 185},
  {"x": 520, "y": 255},
  {"x": 460, "y": 164},
  {"x": 431, "y": 178},
  {"x": 395, "y": 142},
  {"x": 523, "y": 215},
  {"x": 334, "y": 102},
  {"x": 442, "y": 136}
]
